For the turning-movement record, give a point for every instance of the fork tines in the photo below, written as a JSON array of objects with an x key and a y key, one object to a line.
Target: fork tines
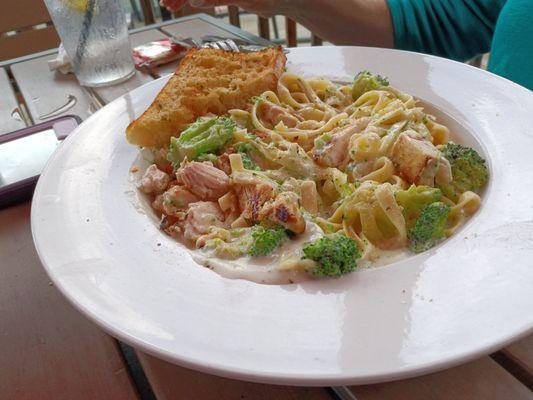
[{"x": 226, "y": 45}]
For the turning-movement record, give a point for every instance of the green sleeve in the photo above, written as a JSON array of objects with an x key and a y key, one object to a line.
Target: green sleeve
[
  {"x": 511, "y": 54},
  {"x": 457, "y": 29}
]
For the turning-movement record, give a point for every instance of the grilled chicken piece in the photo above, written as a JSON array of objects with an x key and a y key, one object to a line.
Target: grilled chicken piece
[
  {"x": 273, "y": 114},
  {"x": 223, "y": 163},
  {"x": 172, "y": 224},
  {"x": 157, "y": 204},
  {"x": 444, "y": 172},
  {"x": 285, "y": 210},
  {"x": 204, "y": 180},
  {"x": 417, "y": 160},
  {"x": 154, "y": 180},
  {"x": 252, "y": 198},
  {"x": 334, "y": 153},
  {"x": 177, "y": 198},
  {"x": 201, "y": 217}
]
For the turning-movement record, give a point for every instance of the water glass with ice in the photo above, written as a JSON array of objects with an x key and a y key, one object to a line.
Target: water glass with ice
[{"x": 94, "y": 34}]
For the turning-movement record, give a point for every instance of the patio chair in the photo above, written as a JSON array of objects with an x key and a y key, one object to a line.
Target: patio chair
[
  {"x": 25, "y": 28},
  {"x": 234, "y": 18},
  {"x": 264, "y": 28}
]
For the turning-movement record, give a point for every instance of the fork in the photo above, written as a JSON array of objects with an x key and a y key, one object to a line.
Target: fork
[
  {"x": 234, "y": 45},
  {"x": 216, "y": 42},
  {"x": 224, "y": 44}
]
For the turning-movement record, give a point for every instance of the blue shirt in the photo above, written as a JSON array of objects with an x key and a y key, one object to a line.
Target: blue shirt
[{"x": 462, "y": 29}]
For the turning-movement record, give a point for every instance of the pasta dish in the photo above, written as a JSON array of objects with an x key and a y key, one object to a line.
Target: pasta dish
[{"x": 313, "y": 179}]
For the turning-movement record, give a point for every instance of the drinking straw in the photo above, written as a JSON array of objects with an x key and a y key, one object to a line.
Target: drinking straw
[{"x": 85, "y": 29}]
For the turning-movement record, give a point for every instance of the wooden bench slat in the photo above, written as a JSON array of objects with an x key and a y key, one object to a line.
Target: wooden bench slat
[
  {"x": 234, "y": 16},
  {"x": 263, "y": 27},
  {"x": 521, "y": 353},
  {"x": 187, "y": 10},
  {"x": 316, "y": 40},
  {"x": 482, "y": 379},
  {"x": 48, "y": 349},
  {"x": 290, "y": 32},
  {"x": 22, "y": 13},
  {"x": 45, "y": 91},
  {"x": 148, "y": 11},
  {"x": 8, "y": 103},
  {"x": 27, "y": 42},
  {"x": 170, "y": 381}
]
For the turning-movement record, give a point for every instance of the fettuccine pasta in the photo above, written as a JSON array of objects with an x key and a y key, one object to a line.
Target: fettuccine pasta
[{"x": 316, "y": 177}]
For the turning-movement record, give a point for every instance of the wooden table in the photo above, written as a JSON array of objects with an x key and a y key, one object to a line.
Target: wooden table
[{"x": 50, "y": 351}]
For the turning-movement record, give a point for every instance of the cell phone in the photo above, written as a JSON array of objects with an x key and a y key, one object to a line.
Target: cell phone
[{"x": 24, "y": 153}]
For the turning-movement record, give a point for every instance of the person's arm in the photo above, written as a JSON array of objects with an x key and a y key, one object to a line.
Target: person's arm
[
  {"x": 355, "y": 22},
  {"x": 457, "y": 29},
  {"x": 347, "y": 22},
  {"x": 511, "y": 54}
]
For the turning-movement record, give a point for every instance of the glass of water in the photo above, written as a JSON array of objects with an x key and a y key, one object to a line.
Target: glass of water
[{"x": 95, "y": 36}]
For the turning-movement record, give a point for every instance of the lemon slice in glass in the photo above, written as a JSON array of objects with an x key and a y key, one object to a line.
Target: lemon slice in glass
[{"x": 78, "y": 5}]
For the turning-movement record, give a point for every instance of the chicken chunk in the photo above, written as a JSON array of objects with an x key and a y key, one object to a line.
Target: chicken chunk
[
  {"x": 444, "y": 172},
  {"x": 285, "y": 210},
  {"x": 417, "y": 160},
  {"x": 273, "y": 114},
  {"x": 334, "y": 153},
  {"x": 172, "y": 224},
  {"x": 154, "y": 180},
  {"x": 223, "y": 163},
  {"x": 157, "y": 204},
  {"x": 201, "y": 217},
  {"x": 177, "y": 198},
  {"x": 252, "y": 198},
  {"x": 204, "y": 180}
]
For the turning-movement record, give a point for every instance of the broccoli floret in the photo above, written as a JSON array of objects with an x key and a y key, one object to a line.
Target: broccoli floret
[
  {"x": 429, "y": 227},
  {"x": 334, "y": 255},
  {"x": 266, "y": 240},
  {"x": 203, "y": 136},
  {"x": 366, "y": 81},
  {"x": 238, "y": 244},
  {"x": 207, "y": 157},
  {"x": 244, "y": 149},
  {"x": 415, "y": 199},
  {"x": 469, "y": 170},
  {"x": 248, "y": 163}
]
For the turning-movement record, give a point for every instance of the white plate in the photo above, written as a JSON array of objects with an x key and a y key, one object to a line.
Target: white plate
[{"x": 465, "y": 298}]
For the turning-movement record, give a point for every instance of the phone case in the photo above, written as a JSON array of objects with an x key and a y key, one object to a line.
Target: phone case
[{"x": 23, "y": 190}]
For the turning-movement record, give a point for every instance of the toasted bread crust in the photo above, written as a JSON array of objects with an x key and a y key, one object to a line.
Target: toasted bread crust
[{"x": 206, "y": 81}]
